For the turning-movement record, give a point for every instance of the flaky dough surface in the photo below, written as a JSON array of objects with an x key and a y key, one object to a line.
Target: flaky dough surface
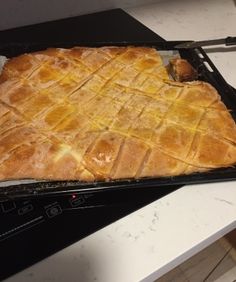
[{"x": 107, "y": 113}]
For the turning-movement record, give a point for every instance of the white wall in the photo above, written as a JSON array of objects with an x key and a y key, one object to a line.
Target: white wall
[{"x": 14, "y": 13}]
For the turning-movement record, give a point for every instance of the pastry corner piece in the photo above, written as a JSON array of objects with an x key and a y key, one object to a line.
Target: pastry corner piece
[
  {"x": 182, "y": 70},
  {"x": 106, "y": 113}
]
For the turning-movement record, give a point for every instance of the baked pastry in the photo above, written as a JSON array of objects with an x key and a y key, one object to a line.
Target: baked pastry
[
  {"x": 107, "y": 113},
  {"x": 181, "y": 70}
]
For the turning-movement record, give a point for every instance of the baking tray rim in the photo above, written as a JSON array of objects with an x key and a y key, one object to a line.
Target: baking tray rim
[
  {"x": 64, "y": 187},
  {"x": 57, "y": 187}
]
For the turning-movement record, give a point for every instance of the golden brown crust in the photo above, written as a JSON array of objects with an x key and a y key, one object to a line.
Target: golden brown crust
[{"x": 107, "y": 113}]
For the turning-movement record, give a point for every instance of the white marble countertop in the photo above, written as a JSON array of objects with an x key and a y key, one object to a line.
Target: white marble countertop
[{"x": 149, "y": 242}]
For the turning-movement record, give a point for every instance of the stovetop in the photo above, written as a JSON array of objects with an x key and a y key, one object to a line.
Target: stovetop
[{"x": 31, "y": 230}]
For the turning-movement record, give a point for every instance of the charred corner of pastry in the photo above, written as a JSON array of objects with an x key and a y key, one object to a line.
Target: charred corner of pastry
[{"x": 181, "y": 70}]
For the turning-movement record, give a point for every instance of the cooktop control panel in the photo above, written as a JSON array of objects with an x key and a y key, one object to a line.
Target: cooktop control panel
[{"x": 20, "y": 215}]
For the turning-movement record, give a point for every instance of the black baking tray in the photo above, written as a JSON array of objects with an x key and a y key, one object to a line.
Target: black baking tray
[{"x": 197, "y": 58}]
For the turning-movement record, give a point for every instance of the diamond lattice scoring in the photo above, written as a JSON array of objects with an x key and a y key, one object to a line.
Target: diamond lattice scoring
[{"x": 107, "y": 113}]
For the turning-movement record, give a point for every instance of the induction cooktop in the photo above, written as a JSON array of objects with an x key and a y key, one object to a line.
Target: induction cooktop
[{"x": 31, "y": 230}]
